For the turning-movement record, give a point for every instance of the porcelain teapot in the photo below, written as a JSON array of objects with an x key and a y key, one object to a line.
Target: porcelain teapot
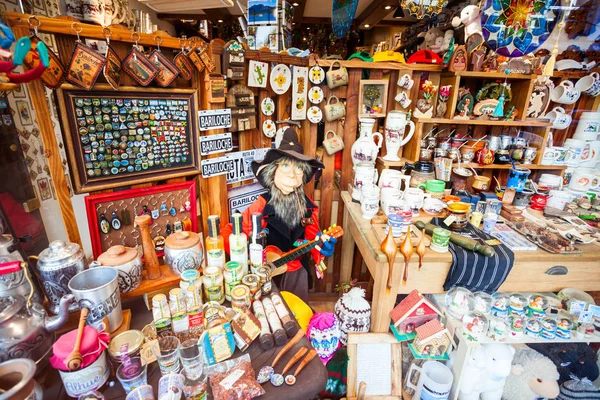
[
  {"x": 25, "y": 329},
  {"x": 365, "y": 149}
]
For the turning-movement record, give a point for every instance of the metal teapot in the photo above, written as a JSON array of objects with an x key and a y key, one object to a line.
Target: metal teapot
[{"x": 25, "y": 329}]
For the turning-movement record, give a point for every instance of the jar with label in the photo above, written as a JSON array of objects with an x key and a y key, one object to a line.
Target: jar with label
[
  {"x": 253, "y": 283},
  {"x": 178, "y": 310},
  {"x": 263, "y": 274},
  {"x": 161, "y": 315},
  {"x": 213, "y": 284},
  {"x": 240, "y": 297},
  {"x": 233, "y": 274},
  {"x": 213, "y": 314},
  {"x": 188, "y": 278},
  {"x": 238, "y": 243},
  {"x": 194, "y": 310}
]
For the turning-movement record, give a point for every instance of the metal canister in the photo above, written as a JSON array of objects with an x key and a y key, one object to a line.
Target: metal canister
[{"x": 232, "y": 274}]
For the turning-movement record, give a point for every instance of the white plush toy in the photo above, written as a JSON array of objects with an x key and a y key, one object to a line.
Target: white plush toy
[
  {"x": 470, "y": 17},
  {"x": 431, "y": 36},
  {"x": 533, "y": 376},
  {"x": 485, "y": 372},
  {"x": 448, "y": 35}
]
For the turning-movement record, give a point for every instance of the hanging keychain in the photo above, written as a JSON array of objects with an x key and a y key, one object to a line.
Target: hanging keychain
[
  {"x": 86, "y": 63},
  {"x": 164, "y": 210},
  {"x": 167, "y": 71},
  {"x": 187, "y": 224},
  {"x": 115, "y": 222},
  {"x": 205, "y": 57},
  {"x": 125, "y": 217},
  {"x": 172, "y": 210},
  {"x": 155, "y": 213},
  {"x": 54, "y": 74},
  {"x": 137, "y": 65},
  {"x": 194, "y": 57},
  {"x": 177, "y": 226},
  {"x": 182, "y": 207},
  {"x": 103, "y": 224},
  {"x": 112, "y": 68},
  {"x": 168, "y": 230},
  {"x": 182, "y": 62}
]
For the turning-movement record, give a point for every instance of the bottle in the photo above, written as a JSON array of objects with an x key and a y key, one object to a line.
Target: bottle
[
  {"x": 215, "y": 246},
  {"x": 238, "y": 243},
  {"x": 161, "y": 315},
  {"x": 257, "y": 247},
  {"x": 213, "y": 285},
  {"x": 177, "y": 305}
]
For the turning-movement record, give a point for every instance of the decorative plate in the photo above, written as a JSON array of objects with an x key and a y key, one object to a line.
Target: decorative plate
[
  {"x": 315, "y": 115},
  {"x": 315, "y": 95},
  {"x": 269, "y": 128},
  {"x": 267, "y": 106},
  {"x": 316, "y": 75},
  {"x": 513, "y": 28},
  {"x": 280, "y": 78}
]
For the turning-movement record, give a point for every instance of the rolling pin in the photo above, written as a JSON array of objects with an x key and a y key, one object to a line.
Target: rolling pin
[
  {"x": 150, "y": 259},
  {"x": 462, "y": 241}
]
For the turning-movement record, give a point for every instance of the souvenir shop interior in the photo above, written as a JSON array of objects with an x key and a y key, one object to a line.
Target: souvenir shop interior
[{"x": 342, "y": 199}]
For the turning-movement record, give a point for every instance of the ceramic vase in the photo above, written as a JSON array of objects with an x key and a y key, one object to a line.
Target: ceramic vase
[
  {"x": 365, "y": 149},
  {"x": 395, "y": 126}
]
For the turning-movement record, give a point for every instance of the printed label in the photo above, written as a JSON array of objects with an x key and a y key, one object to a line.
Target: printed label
[{"x": 231, "y": 379}]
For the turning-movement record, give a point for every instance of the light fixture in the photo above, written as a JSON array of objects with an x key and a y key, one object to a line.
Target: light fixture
[
  {"x": 387, "y": 7},
  {"x": 220, "y": 21},
  {"x": 308, "y": 28},
  {"x": 293, "y": 23},
  {"x": 304, "y": 38},
  {"x": 366, "y": 25},
  {"x": 295, "y": 4}
]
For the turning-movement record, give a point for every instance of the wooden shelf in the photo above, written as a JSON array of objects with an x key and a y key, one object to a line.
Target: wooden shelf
[
  {"x": 8, "y": 87},
  {"x": 509, "y": 166},
  {"x": 167, "y": 278},
  {"x": 489, "y": 75},
  {"x": 482, "y": 122},
  {"x": 378, "y": 65}
]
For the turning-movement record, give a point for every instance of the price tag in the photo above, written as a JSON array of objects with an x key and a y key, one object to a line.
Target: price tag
[{"x": 448, "y": 221}]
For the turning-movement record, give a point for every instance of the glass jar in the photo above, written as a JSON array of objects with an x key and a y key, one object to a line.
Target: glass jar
[
  {"x": 240, "y": 297},
  {"x": 214, "y": 314},
  {"x": 189, "y": 277},
  {"x": 253, "y": 283},
  {"x": 213, "y": 284},
  {"x": 161, "y": 315},
  {"x": 263, "y": 274},
  {"x": 233, "y": 274}
]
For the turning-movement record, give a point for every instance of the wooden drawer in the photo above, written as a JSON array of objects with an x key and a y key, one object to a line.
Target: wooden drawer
[{"x": 533, "y": 275}]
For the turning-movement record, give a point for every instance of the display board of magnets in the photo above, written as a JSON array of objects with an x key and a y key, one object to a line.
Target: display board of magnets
[
  {"x": 111, "y": 215},
  {"x": 132, "y": 136}
]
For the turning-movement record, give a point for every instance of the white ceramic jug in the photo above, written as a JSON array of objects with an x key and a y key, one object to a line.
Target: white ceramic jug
[
  {"x": 395, "y": 125},
  {"x": 365, "y": 149}
]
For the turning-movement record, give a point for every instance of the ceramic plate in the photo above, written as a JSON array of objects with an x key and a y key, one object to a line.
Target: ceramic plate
[
  {"x": 269, "y": 128},
  {"x": 315, "y": 115},
  {"x": 267, "y": 106},
  {"x": 315, "y": 95},
  {"x": 316, "y": 75},
  {"x": 280, "y": 78},
  {"x": 513, "y": 28}
]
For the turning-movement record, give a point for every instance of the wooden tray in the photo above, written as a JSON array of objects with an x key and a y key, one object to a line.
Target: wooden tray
[{"x": 534, "y": 239}]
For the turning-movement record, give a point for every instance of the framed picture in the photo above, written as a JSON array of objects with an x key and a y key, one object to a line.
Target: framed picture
[
  {"x": 129, "y": 136},
  {"x": 24, "y": 113},
  {"x": 373, "y": 98}
]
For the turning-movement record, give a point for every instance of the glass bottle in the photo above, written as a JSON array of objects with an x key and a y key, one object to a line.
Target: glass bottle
[
  {"x": 215, "y": 246},
  {"x": 238, "y": 243},
  {"x": 258, "y": 244}
]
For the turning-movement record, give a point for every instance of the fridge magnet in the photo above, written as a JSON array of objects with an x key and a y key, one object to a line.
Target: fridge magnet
[
  {"x": 24, "y": 113},
  {"x": 315, "y": 95},
  {"x": 112, "y": 68},
  {"x": 85, "y": 66},
  {"x": 316, "y": 75},
  {"x": 184, "y": 65},
  {"x": 139, "y": 67},
  {"x": 196, "y": 60},
  {"x": 44, "y": 188},
  {"x": 269, "y": 128},
  {"x": 267, "y": 106},
  {"x": 373, "y": 98},
  {"x": 233, "y": 60},
  {"x": 167, "y": 72},
  {"x": 257, "y": 74},
  {"x": 314, "y": 114},
  {"x": 280, "y": 79},
  {"x": 299, "y": 90}
]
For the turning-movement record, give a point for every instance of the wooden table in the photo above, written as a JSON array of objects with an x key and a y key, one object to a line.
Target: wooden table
[{"x": 530, "y": 272}]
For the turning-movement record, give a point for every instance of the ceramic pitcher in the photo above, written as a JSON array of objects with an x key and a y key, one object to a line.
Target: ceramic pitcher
[
  {"x": 395, "y": 125},
  {"x": 365, "y": 174},
  {"x": 365, "y": 149}
]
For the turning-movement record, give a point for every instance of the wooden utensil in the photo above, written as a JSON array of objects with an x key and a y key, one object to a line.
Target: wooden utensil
[
  {"x": 74, "y": 360},
  {"x": 388, "y": 247},
  {"x": 362, "y": 390},
  {"x": 277, "y": 379},
  {"x": 420, "y": 250},
  {"x": 266, "y": 372},
  {"x": 406, "y": 249},
  {"x": 150, "y": 259},
  {"x": 291, "y": 379}
]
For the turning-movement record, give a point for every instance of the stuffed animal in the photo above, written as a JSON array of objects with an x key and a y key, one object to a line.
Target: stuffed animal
[
  {"x": 430, "y": 38},
  {"x": 470, "y": 17},
  {"x": 532, "y": 376},
  {"x": 572, "y": 360},
  {"x": 448, "y": 36}
]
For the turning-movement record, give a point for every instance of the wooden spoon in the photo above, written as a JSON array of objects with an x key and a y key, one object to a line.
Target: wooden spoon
[
  {"x": 266, "y": 372},
  {"x": 291, "y": 379},
  {"x": 74, "y": 360},
  {"x": 388, "y": 247},
  {"x": 420, "y": 250},
  {"x": 406, "y": 249}
]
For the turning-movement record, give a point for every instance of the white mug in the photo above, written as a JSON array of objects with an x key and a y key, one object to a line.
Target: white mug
[
  {"x": 583, "y": 179},
  {"x": 559, "y": 118},
  {"x": 364, "y": 174},
  {"x": 406, "y": 82},
  {"x": 577, "y": 146},
  {"x": 414, "y": 197},
  {"x": 403, "y": 99},
  {"x": 393, "y": 178},
  {"x": 549, "y": 157},
  {"x": 565, "y": 93},
  {"x": 369, "y": 204},
  {"x": 435, "y": 381},
  {"x": 394, "y": 206},
  {"x": 589, "y": 84}
]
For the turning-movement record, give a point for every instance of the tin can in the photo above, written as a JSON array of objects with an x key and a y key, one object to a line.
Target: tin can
[
  {"x": 232, "y": 274},
  {"x": 213, "y": 284},
  {"x": 240, "y": 297}
]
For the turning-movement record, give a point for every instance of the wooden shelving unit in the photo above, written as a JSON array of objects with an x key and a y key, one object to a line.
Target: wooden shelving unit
[
  {"x": 483, "y": 122},
  {"x": 509, "y": 166},
  {"x": 489, "y": 75}
]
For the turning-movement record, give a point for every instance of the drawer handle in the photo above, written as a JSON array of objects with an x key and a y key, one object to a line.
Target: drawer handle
[{"x": 557, "y": 270}]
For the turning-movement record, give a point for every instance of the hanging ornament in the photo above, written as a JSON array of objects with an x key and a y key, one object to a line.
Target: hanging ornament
[
  {"x": 115, "y": 222},
  {"x": 168, "y": 230},
  {"x": 104, "y": 224},
  {"x": 172, "y": 210},
  {"x": 125, "y": 217}
]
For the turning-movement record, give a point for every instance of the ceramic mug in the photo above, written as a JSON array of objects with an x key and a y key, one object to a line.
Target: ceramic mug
[
  {"x": 403, "y": 99},
  {"x": 481, "y": 183},
  {"x": 564, "y": 155},
  {"x": 433, "y": 206},
  {"x": 589, "y": 84},
  {"x": 435, "y": 381},
  {"x": 559, "y": 118},
  {"x": 433, "y": 187},
  {"x": 414, "y": 198},
  {"x": 364, "y": 174},
  {"x": 369, "y": 205},
  {"x": 583, "y": 179},
  {"x": 391, "y": 178},
  {"x": 550, "y": 155},
  {"x": 394, "y": 206},
  {"x": 517, "y": 178},
  {"x": 578, "y": 147},
  {"x": 406, "y": 82},
  {"x": 529, "y": 155},
  {"x": 565, "y": 93},
  {"x": 332, "y": 142}
]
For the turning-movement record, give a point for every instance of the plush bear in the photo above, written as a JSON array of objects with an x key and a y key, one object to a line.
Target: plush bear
[
  {"x": 532, "y": 376},
  {"x": 448, "y": 36},
  {"x": 430, "y": 38},
  {"x": 470, "y": 17},
  {"x": 572, "y": 360}
]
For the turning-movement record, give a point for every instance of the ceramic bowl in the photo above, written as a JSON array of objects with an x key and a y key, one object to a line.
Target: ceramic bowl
[{"x": 433, "y": 206}]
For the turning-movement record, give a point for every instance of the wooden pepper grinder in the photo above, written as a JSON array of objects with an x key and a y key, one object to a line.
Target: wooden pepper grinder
[{"x": 150, "y": 259}]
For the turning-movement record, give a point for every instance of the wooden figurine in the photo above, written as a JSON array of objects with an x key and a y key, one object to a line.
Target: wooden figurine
[
  {"x": 412, "y": 312},
  {"x": 477, "y": 59},
  {"x": 432, "y": 339},
  {"x": 459, "y": 60},
  {"x": 540, "y": 98},
  {"x": 420, "y": 250},
  {"x": 473, "y": 42},
  {"x": 150, "y": 259},
  {"x": 388, "y": 247},
  {"x": 233, "y": 60},
  {"x": 240, "y": 99}
]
